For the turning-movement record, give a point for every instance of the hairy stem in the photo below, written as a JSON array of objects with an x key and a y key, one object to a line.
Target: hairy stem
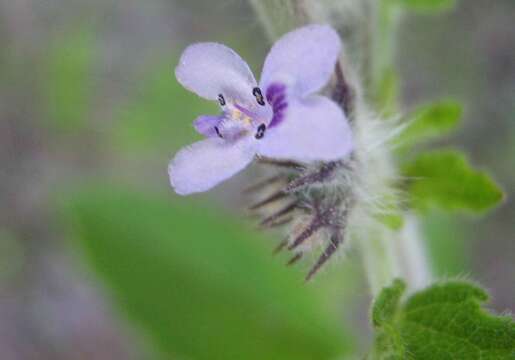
[
  {"x": 387, "y": 254},
  {"x": 380, "y": 258}
]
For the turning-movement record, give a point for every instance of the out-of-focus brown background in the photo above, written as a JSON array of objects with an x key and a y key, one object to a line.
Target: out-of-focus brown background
[{"x": 88, "y": 97}]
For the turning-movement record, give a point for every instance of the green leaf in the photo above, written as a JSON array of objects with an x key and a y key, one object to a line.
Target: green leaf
[
  {"x": 429, "y": 122},
  {"x": 445, "y": 178},
  {"x": 444, "y": 321},
  {"x": 200, "y": 283},
  {"x": 427, "y": 5},
  {"x": 67, "y": 83},
  {"x": 388, "y": 343}
]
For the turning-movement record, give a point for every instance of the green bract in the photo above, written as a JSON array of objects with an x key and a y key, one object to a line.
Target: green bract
[
  {"x": 444, "y": 178},
  {"x": 430, "y": 121}
]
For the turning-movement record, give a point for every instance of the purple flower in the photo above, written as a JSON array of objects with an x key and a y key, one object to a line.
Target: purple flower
[{"x": 281, "y": 118}]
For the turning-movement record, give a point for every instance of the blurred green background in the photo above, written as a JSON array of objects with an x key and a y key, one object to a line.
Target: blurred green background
[{"x": 99, "y": 259}]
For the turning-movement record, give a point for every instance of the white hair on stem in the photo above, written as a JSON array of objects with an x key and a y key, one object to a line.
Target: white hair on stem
[{"x": 360, "y": 188}]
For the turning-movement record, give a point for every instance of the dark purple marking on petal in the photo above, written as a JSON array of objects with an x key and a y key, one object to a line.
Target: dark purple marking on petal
[
  {"x": 279, "y": 99},
  {"x": 276, "y": 96},
  {"x": 280, "y": 107},
  {"x": 273, "y": 90}
]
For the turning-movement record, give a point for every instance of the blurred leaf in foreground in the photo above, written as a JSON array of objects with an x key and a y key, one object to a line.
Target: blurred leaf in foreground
[
  {"x": 430, "y": 121},
  {"x": 444, "y": 321},
  {"x": 445, "y": 178},
  {"x": 203, "y": 286}
]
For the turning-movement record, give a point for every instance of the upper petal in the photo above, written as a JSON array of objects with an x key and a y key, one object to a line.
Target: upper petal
[
  {"x": 315, "y": 129},
  {"x": 304, "y": 59},
  {"x": 206, "y": 163},
  {"x": 210, "y": 69}
]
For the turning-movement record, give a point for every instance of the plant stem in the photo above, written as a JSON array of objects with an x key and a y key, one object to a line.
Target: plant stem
[
  {"x": 380, "y": 259},
  {"x": 387, "y": 254}
]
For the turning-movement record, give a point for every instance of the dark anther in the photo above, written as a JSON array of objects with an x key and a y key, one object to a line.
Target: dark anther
[
  {"x": 221, "y": 99},
  {"x": 218, "y": 132},
  {"x": 260, "y": 131},
  {"x": 259, "y": 96}
]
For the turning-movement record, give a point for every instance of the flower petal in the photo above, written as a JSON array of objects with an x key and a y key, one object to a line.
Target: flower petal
[
  {"x": 205, "y": 124},
  {"x": 206, "y": 163},
  {"x": 304, "y": 59},
  {"x": 312, "y": 130},
  {"x": 210, "y": 69}
]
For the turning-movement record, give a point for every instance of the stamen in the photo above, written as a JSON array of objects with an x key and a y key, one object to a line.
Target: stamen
[
  {"x": 221, "y": 99},
  {"x": 259, "y": 96},
  {"x": 260, "y": 131},
  {"x": 243, "y": 110}
]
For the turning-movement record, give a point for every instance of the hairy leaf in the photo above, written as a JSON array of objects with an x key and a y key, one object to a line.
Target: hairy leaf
[
  {"x": 444, "y": 178},
  {"x": 444, "y": 321}
]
